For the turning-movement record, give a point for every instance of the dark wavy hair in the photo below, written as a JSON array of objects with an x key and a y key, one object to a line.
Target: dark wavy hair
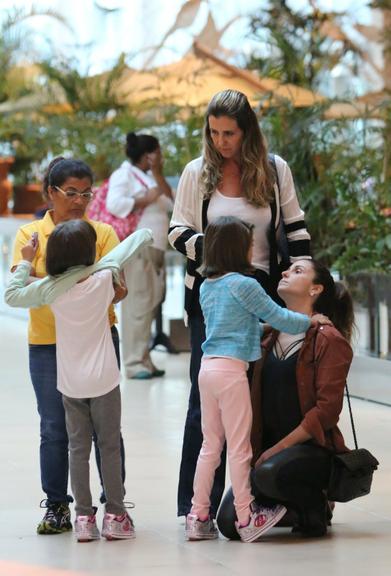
[
  {"x": 60, "y": 169},
  {"x": 227, "y": 243},
  {"x": 139, "y": 144},
  {"x": 334, "y": 301},
  {"x": 72, "y": 243}
]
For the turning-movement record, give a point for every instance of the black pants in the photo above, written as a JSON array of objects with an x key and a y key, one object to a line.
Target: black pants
[
  {"x": 192, "y": 437},
  {"x": 296, "y": 477}
]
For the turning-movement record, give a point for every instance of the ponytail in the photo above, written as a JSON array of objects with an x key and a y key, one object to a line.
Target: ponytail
[
  {"x": 334, "y": 301},
  {"x": 343, "y": 318}
]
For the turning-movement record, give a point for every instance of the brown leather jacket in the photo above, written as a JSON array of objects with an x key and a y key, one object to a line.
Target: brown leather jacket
[{"x": 322, "y": 367}]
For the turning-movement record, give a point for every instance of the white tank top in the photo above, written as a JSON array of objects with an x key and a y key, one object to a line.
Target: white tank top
[{"x": 260, "y": 218}]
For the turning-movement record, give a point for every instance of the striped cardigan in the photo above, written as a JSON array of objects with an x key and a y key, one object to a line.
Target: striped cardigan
[{"x": 189, "y": 220}]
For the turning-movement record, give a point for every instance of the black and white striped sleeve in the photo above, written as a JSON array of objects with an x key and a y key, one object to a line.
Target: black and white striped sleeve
[
  {"x": 293, "y": 216},
  {"x": 185, "y": 233}
]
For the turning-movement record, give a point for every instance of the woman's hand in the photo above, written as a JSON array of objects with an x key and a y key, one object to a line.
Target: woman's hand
[
  {"x": 151, "y": 195},
  {"x": 321, "y": 319},
  {"x": 120, "y": 290},
  {"x": 268, "y": 454},
  {"x": 30, "y": 249},
  {"x": 297, "y": 436},
  {"x": 155, "y": 161}
]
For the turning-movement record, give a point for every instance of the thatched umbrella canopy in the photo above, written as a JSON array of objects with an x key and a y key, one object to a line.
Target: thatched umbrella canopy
[{"x": 193, "y": 80}]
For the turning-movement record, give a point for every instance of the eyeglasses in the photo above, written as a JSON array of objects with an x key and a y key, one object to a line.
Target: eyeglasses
[{"x": 71, "y": 193}]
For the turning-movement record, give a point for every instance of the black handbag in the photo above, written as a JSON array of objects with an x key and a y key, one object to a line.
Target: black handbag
[{"x": 351, "y": 472}]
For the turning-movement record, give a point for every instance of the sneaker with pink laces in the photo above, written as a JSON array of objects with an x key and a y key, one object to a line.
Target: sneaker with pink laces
[
  {"x": 86, "y": 528},
  {"x": 261, "y": 520},
  {"x": 200, "y": 530},
  {"x": 118, "y": 527}
]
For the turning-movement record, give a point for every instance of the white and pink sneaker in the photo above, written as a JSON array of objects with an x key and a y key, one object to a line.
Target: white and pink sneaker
[
  {"x": 118, "y": 527},
  {"x": 200, "y": 530},
  {"x": 86, "y": 529},
  {"x": 261, "y": 520}
]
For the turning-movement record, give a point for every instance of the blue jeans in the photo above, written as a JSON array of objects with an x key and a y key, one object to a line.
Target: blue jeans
[
  {"x": 54, "y": 440},
  {"x": 192, "y": 438}
]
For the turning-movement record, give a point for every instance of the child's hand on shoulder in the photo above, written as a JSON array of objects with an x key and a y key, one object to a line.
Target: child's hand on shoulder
[
  {"x": 320, "y": 319},
  {"x": 30, "y": 249}
]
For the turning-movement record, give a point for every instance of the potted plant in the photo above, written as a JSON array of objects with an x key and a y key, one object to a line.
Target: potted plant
[{"x": 5, "y": 184}]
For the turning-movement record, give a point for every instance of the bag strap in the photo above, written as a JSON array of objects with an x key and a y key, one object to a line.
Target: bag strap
[
  {"x": 272, "y": 235},
  {"x": 347, "y": 395},
  {"x": 351, "y": 416},
  {"x": 139, "y": 179}
]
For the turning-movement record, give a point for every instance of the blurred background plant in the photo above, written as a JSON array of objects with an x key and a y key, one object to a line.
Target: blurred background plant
[
  {"x": 338, "y": 164},
  {"x": 341, "y": 166},
  {"x": 16, "y": 44}
]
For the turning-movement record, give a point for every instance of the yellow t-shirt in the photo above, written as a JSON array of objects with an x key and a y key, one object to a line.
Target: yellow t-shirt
[{"x": 42, "y": 328}]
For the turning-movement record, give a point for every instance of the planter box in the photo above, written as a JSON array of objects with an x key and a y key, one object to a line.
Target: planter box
[
  {"x": 5, "y": 184},
  {"x": 27, "y": 198}
]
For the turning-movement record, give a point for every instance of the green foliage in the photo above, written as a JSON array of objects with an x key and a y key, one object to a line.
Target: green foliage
[
  {"x": 97, "y": 141},
  {"x": 338, "y": 170},
  {"x": 339, "y": 166},
  {"x": 299, "y": 47},
  {"x": 180, "y": 141},
  {"x": 15, "y": 42},
  {"x": 90, "y": 124},
  {"x": 84, "y": 93}
]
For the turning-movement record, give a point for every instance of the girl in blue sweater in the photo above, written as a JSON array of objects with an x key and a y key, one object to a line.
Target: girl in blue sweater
[{"x": 232, "y": 304}]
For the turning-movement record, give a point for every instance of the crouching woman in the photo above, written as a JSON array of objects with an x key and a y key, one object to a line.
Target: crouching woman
[{"x": 297, "y": 396}]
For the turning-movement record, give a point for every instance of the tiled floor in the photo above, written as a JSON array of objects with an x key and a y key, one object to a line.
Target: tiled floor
[{"x": 153, "y": 416}]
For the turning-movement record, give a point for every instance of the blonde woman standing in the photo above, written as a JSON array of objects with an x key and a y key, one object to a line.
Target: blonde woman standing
[{"x": 233, "y": 177}]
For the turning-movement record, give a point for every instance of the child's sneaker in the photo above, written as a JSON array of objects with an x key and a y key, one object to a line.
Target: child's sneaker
[
  {"x": 118, "y": 527},
  {"x": 261, "y": 520},
  {"x": 57, "y": 518},
  {"x": 86, "y": 528},
  {"x": 197, "y": 530}
]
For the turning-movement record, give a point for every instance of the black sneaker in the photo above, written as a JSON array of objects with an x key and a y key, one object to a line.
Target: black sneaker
[{"x": 57, "y": 518}]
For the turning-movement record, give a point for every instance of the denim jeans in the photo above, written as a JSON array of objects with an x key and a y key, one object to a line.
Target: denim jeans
[
  {"x": 192, "y": 438},
  {"x": 54, "y": 440}
]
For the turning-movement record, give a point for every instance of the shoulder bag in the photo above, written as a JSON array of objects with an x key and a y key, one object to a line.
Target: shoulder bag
[
  {"x": 97, "y": 210},
  {"x": 352, "y": 472}
]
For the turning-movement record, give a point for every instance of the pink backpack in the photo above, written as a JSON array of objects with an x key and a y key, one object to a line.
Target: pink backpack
[{"x": 97, "y": 210}]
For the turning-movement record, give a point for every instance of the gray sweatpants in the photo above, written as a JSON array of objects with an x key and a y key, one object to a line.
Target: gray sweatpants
[{"x": 83, "y": 416}]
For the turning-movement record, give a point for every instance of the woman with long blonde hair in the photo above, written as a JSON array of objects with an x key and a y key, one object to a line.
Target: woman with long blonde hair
[{"x": 235, "y": 176}]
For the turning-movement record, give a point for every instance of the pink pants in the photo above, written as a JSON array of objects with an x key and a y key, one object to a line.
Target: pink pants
[{"x": 225, "y": 415}]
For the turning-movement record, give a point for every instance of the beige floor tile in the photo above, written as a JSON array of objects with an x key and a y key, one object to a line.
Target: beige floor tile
[{"x": 153, "y": 417}]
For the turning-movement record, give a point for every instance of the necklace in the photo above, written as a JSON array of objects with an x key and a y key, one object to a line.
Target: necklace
[{"x": 285, "y": 347}]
